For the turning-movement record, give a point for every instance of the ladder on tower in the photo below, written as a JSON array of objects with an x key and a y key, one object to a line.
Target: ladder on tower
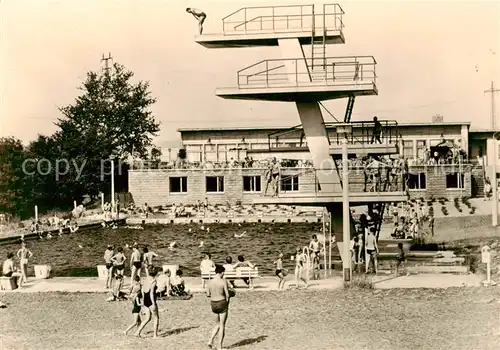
[
  {"x": 349, "y": 108},
  {"x": 318, "y": 52},
  {"x": 381, "y": 208}
]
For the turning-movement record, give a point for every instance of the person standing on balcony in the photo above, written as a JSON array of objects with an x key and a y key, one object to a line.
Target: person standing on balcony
[
  {"x": 199, "y": 15},
  {"x": 377, "y": 131},
  {"x": 275, "y": 173}
]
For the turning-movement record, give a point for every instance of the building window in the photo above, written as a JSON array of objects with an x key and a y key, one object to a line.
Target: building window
[
  {"x": 455, "y": 180},
  {"x": 215, "y": 183},
  {"x": 178, "y": 184},
  {"x": 408, "y": 149},
  {"x": 251, "y": 183},
  {"x": 417, "y": 181},
  {"x": 290, "y": 183}
]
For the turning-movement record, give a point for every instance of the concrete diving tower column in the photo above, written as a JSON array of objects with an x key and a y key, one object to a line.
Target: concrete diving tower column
[{"x": 311, "y": 117}]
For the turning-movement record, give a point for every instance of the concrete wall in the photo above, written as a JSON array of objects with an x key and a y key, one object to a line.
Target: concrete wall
[
  {"x": 152, "y": 186},
  {"x": 436, "y": 182}
]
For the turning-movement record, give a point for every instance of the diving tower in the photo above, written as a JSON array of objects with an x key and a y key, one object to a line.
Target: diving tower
[
  {"x": 306, "y": 74},
  {"x": 266, "y": 25}
]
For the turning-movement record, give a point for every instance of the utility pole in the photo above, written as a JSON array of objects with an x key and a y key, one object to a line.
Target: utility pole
[
  {"x": 492, "y": 91},
  {"x": 106, "y": 66}
]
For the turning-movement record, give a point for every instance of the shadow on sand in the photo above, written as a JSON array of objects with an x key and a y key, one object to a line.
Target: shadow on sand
[
  {"x": 249, "y": 341},
  {"x": 177, "y": 331}
]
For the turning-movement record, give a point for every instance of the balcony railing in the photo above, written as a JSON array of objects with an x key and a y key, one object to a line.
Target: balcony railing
[
  {"x": 338, "y": 71},
  {"x": 362, "y": 134},
  {"x": 284, "y": 19},
  {"x": 381, "y": 179}
]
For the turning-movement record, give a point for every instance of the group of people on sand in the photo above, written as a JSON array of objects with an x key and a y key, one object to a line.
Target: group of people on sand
[
  {"x": 144, "y": 293},
  {"x": 9, "y": 268}
]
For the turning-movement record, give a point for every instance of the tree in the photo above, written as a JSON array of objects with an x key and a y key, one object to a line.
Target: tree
[
  {"x": 111, "y": 117},
  {"x": 113, "y": 111},
  {"x": 15, "y": 196}
]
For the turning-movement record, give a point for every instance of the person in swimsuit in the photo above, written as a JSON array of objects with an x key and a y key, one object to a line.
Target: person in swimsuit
[
  {"x": 299, "y": 268},
  {"x": 280, "y": 272},
  {"x": 108, "y": 255},
  {"x": 135, "y": 263},
  {"x": 218, "y": 292},
  {"x": 371, "y": 250},
  {"x": 149, "y": 304},
  {"x": 23, "y": 255},
  {"x": 199, "y": 15},
  {"x": 118, "y": 261},
  {"x": 148, "y": 259},
  {"x": 136, "y": 296},
  {"x": 314, "y": 245},
  {"x": 400, "y": 260},
  {"x": 8, "y": 266}
]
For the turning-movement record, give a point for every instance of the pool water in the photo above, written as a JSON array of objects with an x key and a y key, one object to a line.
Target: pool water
[{"x": 79, "y": 253}]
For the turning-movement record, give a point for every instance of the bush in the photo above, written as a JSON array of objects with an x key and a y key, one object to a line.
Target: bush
[{"x": 359, "y": 282}]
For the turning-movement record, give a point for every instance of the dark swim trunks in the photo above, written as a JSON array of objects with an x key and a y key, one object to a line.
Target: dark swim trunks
[
  {"x": 137, "y": 308},
  {"x": 220, "y": 306},
  {"x": 120, "y": 267},
  {"x": 137, "y": 264},
  {"x": 278, "y": 271},
  {"x": 109, "y": 265}
]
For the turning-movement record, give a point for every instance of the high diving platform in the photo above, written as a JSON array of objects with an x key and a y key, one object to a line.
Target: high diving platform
[
  {"x": 296, "y": 79},
  {"x": 265, "y": 26}
]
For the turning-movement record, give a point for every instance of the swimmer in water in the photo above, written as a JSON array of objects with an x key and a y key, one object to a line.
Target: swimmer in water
[
  {"x": 108, "y": 255},
  {"x": 148, "y": 259},
  {"x": 23, "y": 255},
  {"x": 218, "y": 292},
  {"x": 135, "y": 263},
  {"x": 118, "y": 261}
]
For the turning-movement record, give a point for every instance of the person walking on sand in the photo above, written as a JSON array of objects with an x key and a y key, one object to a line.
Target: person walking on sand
[
  {"x": 219, "y": 294},
  {"x": 23, "y": 255},
  {"x": 149, "y": 289},
  {"x": 136, "y": 296},
  {"x": 200, "y": 17}
]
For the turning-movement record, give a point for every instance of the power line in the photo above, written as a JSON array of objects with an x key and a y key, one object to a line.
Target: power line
[{"x": 492, "y": 91}]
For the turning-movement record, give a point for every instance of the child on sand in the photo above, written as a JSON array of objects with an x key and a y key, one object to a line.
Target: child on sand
[
  {"x": 178, "y": 286},
  {"x": 280, "y": 272},
  {"x": 400, "y": 264},
  {"x": 135, "y": 295},
  {"x": 300, "y": 268},
  {"x": 116, "y": 293},
  {"x": 206, "y": 265}
]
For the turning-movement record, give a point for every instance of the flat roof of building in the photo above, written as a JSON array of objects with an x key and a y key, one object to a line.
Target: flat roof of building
[{"x": 240, "y": 128}]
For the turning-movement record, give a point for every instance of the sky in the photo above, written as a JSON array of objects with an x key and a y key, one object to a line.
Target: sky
[{"x": 433, "y": 58}]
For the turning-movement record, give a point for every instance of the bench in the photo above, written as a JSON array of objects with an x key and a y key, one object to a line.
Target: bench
[
  {"x": 240, "y": 273},
  {"x": 8, "y": 283}
]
